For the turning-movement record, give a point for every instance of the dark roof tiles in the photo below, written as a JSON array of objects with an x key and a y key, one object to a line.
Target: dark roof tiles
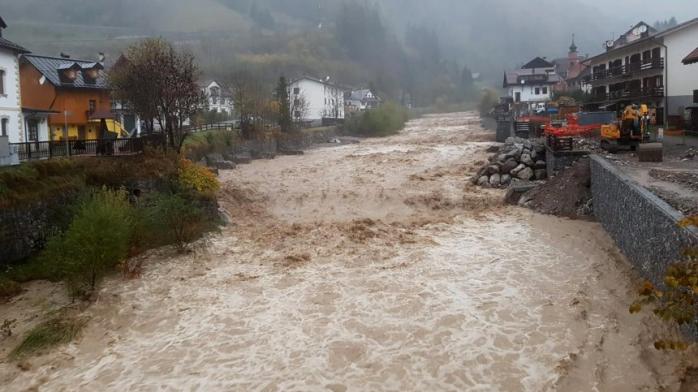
[
  {"x": 12, "y": 46},
  {"x": 50, "y": 66}
]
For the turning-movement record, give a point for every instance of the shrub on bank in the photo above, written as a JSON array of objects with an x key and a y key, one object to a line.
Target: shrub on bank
[
  {"x": 97, "y": 239},
  {"x": 176, "y": 219},
  {"x": 388, "y": 119},
  {"x": 60, "y": 329},
  {"x": 197, "y": 178}
]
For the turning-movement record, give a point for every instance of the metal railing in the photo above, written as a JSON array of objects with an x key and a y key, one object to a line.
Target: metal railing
[
  {"x": 647, "y": 92},
  {"x": 75, "y": 148},
  {"x": 626, "y": 70}
]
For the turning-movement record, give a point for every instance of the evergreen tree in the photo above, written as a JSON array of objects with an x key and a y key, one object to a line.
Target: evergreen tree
[{"x": 285, "y": 120}]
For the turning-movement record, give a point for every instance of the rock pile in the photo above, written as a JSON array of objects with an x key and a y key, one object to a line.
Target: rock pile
[{"x": 518, "y": 159}]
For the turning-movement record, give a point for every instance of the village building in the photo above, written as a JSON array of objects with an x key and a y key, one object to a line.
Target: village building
[
  {"x": 644, "y": 66},
  {"x": 691, "y": 113},
  {"x": 360, "y": 100},
  {"x": 316, "y": 101},
  {"x": 219, "y": 98},
  {"x": 11, "y": 119},
  {"x": 532, "y": 85},
  {"x": 72, "y": 94},
  {"x": 569, "y": 70}
]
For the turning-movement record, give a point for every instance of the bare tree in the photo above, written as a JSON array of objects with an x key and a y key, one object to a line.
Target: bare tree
[{"x": 160, "y": 83}]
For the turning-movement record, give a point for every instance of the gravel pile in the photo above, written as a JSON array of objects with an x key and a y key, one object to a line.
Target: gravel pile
[{"x": 518, "y": 159}]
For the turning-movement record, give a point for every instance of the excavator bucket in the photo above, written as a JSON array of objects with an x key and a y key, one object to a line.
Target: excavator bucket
[{"x": 650, "y": 152}]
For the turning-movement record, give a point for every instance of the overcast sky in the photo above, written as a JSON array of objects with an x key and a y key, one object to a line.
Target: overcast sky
[{"x": 635, "y": 10}]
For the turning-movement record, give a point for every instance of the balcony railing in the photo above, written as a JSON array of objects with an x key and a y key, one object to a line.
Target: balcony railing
[
  {"x": 626, "y": 70},
  {"x": 647, "y": 92}
]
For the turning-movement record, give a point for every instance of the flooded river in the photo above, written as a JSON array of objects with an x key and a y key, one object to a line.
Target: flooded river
[{"x": 370, "y": 267}]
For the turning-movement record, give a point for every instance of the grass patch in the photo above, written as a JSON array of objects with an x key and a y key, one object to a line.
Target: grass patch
[{"x": 59, "y": 330}]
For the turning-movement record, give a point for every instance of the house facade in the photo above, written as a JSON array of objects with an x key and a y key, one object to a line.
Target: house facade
[
  {"x": 532, "y": 84},
  {"x": 11, "y": 120},
  {"x": 644, "y": 66},
  {"x": 72, "y": 95},
  {"x": 360, "y": 100},
  {"x": 219, "y": 98},
  {"x": 316, "y": 101}
]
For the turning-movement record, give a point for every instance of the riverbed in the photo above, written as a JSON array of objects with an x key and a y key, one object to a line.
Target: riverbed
[{"x": 369, "y": 267}]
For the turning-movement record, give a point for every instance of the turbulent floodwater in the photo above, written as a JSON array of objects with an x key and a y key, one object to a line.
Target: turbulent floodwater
[{"x": 369, "y": 267}]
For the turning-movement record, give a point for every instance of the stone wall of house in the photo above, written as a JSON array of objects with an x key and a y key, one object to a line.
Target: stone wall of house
[{"x": 644, "y": 226}]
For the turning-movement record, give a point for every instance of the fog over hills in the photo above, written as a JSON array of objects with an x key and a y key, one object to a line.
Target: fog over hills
[{"x": 488, "y": 36}]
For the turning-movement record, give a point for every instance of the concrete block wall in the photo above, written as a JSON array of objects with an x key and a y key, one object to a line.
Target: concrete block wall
[{"x": 644, "y": 226}]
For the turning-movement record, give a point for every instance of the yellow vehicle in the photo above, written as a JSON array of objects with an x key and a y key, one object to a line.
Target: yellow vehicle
[{"x": 630, "y": 132}]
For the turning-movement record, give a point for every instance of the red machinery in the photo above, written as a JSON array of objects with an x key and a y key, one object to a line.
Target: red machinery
[{"x": 560, "y": 136}]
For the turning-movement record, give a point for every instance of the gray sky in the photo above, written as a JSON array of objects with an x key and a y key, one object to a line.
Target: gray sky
[{"x": 635, "y": 10}]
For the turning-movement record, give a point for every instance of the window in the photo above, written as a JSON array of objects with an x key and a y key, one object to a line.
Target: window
[
  {"x": 296, "y": 90},
  {"x": 537, "y": 90},
  {"x": 92, "y": 105},
  {"x": 4, "y": 127},
  {"x": 296, "y": 102},
  {"x": 33, "y": 130},
  {"x": 2, "y": 82},
  {"x": 545, "y": 90}
]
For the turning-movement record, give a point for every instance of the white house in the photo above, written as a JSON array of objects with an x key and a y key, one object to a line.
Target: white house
[
  {"x": 316, "y": 100},
  {"x": 11, "y": 120},
  {"x": 360, "y": 100},
  {"x": 533, "y": 83},
  {"x": 219, "y": 98},
  {"x": 644, "y": 66}
]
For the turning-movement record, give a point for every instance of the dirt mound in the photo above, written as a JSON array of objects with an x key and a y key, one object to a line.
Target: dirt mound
[{"x": 567, "y": 195}]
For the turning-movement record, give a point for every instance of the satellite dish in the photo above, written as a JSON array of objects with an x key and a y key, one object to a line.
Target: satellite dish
[{"x": 610, "y": 43}]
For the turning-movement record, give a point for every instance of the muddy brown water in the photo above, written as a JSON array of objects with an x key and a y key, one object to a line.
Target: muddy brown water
[{"x": 369, "y": 267}]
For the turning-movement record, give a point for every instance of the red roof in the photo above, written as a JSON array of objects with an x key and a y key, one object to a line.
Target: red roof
[{"x": 692, "y": 58}]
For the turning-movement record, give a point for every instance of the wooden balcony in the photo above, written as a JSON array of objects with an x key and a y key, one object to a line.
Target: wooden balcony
[
  {"x": 626, "y": 71},
  {"x": 629, "y": 94}
]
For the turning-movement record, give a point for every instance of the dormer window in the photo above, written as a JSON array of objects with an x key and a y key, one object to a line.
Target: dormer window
[
  {"x": 68, "y": 72},
  {"x": 90, "y": 72}
]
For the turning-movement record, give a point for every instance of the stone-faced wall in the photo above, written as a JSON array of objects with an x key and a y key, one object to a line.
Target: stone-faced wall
[{"x": 644, "y": 226}]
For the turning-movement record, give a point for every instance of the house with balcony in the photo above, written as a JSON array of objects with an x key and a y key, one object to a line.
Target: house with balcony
[
  {"x": 644, "y": 66},
  {"x": 532, "y": 84},
  {"x": 71, "y": 94},
  {"x": 11, "y": 120}
]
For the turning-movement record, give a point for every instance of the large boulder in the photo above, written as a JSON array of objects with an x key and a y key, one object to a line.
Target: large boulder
[
  {"x": 483, "y": 181},
  {"x": 225, "y": 165},
  {"x": 541, "y": 165},
  {"x": 509, "y": 165},
  {"x": 526, "y": 160},
  {"x": 506, "y": 179},
  {"x": 518, "y": 169},
  {"x": 495, "y": 180},
  {"x": 492, "y": 169},
  {"x": 213, "y": 159},
  {"x": 525, "y": 174}
]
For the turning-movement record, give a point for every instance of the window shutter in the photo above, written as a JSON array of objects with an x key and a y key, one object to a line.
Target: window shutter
[{"x": 695, "y": 96}]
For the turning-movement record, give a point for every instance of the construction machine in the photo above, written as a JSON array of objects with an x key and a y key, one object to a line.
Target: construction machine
[{"x": 629, "y": 132}]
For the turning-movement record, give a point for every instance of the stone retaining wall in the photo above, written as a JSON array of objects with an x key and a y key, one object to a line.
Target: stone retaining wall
[
  {"x": 559, "y": 160},
  {"x": 644, "y": 226}
]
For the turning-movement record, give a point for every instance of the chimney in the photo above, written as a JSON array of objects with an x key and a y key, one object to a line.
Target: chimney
[
  {"x": 101, "y": 57},
  {"x": 65, "y": 55}
]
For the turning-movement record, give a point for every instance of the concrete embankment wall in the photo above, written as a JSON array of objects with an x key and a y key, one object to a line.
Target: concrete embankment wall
[{"x": 644, "y": 226}]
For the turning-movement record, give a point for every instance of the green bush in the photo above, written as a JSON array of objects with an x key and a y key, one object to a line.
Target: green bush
[
  {"x": 386, "y": 120},
  {"x": 488, "y": 101},
  {"x": 97, "y": 239},
  {"x": 9, "y": 288},
  {"x": 176, "y": 219}
]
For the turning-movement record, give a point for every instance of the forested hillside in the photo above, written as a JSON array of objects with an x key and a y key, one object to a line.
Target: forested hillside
[{"x": 426, "y": 50}]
